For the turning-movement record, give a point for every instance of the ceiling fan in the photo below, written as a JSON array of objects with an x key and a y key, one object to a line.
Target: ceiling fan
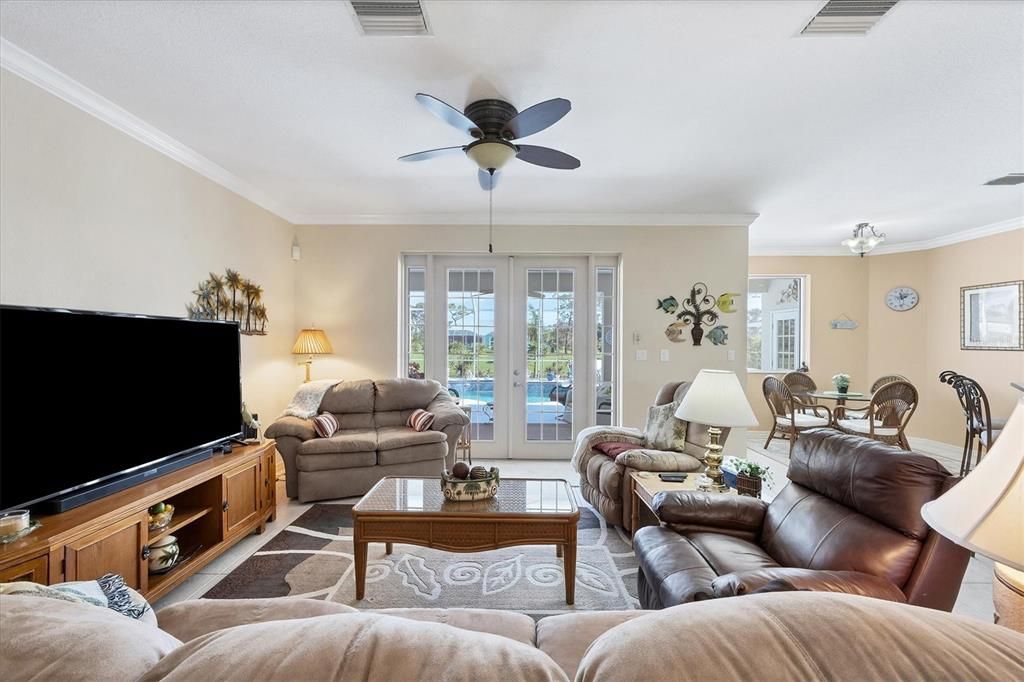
[{"x": 495, "y": 125}]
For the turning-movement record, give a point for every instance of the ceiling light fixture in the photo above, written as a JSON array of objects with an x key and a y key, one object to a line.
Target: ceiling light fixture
[
  {"x": 491, "y": 155},
  {"x": 864, "y": 239}
]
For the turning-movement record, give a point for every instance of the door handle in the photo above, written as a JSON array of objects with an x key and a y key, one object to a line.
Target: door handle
[{"x": 516, "y": 384}]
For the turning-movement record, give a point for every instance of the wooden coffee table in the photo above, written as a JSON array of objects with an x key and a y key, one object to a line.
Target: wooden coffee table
[
  {"x": 646, "y": 484},
  {"x": 413, "y": 511}
]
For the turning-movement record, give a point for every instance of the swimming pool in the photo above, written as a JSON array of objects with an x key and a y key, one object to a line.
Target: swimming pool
[{"x": 482, "y": 390}]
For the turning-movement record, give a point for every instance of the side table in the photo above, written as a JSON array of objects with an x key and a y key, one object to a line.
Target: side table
[{"x": 646, "y": 484}]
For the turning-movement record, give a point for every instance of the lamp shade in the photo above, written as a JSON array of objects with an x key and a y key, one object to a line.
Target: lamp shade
[
  {"x": 312, "y": 341},
  {"x": 716, "y": 399},
  {"x": 985, "y": 511}
]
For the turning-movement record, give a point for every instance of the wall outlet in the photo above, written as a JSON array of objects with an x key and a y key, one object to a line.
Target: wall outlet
[
  {"x": 732, "y": 355},
  {"x": 641, "y": 355},
  {"x": 664, "y": 355}
]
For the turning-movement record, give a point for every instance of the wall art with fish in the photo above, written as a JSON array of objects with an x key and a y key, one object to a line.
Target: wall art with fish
[{"x": 698, "y": 311}]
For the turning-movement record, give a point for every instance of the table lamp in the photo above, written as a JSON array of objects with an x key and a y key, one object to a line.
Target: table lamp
[
  {"x": 311, "y": 341},
  {"x": 715, "y": 399},
  {"x": 985, "y": 513}
]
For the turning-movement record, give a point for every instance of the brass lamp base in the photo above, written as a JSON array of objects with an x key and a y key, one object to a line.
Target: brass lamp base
[
  {"x": 715, "y": 480},
  {"x": 308, "y": 363}
]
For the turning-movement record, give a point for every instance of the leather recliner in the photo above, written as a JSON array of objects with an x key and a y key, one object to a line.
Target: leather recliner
[{"x": 848, "y": 521}]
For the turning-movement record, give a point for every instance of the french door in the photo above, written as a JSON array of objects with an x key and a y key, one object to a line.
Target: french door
[{"x": 510, "y": 337}]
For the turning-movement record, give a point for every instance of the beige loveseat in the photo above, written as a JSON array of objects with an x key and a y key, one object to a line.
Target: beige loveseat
[
  {"x": 372, "y": 441},
  {"x": 784, "y": 636}
]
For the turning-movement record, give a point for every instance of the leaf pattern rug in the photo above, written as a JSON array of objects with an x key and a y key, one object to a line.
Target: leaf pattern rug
[{"x": 313, "y": 558}]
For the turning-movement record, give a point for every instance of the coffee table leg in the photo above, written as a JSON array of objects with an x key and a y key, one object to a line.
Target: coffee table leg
[
  {"x": 558, "y": 551},
  {"x": 360, "y": 549},
  {"x": 569, "y": 568},
  {"x": 388, "y": 547}
]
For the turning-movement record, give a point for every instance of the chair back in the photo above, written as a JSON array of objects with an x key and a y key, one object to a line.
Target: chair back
[
  {"x": 973, "y": 402},
  {"x": 778, "y": 396},
  {"x": 894, "y": 403},
  {"x": 800, "y": 384},
  {"x": 887, "y": 379}
]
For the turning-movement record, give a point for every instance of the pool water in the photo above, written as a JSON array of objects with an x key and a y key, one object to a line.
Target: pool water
[{"x": 482, "y": 390}]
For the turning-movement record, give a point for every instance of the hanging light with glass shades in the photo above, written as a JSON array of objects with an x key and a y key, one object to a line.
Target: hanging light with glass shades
[{"x": 864, "y": 239}]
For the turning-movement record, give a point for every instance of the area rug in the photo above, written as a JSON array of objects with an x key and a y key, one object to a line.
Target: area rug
[{"x": 313, "y": 558}]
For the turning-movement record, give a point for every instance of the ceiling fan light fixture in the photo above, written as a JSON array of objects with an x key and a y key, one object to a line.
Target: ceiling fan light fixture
[
  {"x": 491, "y": 155},
  {"x": 864, "y": 239}
]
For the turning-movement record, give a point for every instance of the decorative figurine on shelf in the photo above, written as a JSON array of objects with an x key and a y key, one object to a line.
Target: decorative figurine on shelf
[{"x": 251, "y": 425}]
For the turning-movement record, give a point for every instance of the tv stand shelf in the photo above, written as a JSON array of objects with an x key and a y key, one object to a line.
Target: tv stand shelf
[{"x": 217, "y": 502}]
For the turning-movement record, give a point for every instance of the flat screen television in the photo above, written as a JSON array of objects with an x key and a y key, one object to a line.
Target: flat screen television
[{"x": 88, "y": 400}]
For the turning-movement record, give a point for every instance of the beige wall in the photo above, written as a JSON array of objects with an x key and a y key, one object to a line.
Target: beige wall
[
  {"x": 926, "y": 340},
  {"x": 918, "y": 343},
  {"x": 90, "y": 218},
  {"x": 348, "y": 283},
  {"x": 836, "y": 287}
]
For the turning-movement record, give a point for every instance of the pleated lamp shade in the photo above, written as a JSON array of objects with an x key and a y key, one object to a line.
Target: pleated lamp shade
[
  {"x": 985, "y": 511},
  {"x": 312, "y": 341}
]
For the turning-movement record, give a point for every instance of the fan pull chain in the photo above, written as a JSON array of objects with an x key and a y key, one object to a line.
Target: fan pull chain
[{"x": 490, "y": 215}]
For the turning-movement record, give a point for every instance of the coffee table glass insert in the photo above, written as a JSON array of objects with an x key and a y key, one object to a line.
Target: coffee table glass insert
[{"x": 515, "y": 496}]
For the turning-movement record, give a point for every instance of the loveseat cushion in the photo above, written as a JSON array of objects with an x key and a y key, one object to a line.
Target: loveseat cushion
[
  {"x": 515, "y": 626},
  {"x": 355, "y": 646},
  {"x": 415, "y": 453},
  {"x": 47, "y": 639},
  {"x": 346, "y": 440},
  {"x": 804, "y": 636},
  {"x": 349, "y": 397},
  {"x": 404, "y": 394},
  {"x": 394, "y": 437},
  {"x": 193, "y": 618}
]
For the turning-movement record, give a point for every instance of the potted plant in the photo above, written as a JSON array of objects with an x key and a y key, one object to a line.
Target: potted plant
[
  {"x": 842, "y": 382},
  {"x": 750, "y": 476}
]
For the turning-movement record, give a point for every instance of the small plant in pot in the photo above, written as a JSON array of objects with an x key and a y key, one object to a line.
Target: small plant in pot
[
  {"x": 750, "y": 476},
  {"x": 842, "y": 382}
]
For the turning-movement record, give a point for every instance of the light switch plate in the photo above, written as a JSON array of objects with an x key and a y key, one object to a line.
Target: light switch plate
[
  {"x": 641, "y": 355},
  {"x": 664, "y": 355}
]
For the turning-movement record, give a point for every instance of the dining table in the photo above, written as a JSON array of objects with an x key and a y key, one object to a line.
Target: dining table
[{"x": 840, "y": 399}]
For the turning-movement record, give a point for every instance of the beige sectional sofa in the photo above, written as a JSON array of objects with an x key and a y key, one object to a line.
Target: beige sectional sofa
[
  {"x": 785, "y": 636},
  {"x": 373, "y": 439}
]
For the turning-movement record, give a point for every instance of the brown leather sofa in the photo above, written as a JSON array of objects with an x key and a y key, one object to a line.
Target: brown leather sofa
[{"x": 849, "y": 521}]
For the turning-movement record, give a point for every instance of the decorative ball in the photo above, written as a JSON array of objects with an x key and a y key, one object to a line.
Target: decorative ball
[
  {"x": 478, "y": 473},
  {"x": 461, "y": 470}
]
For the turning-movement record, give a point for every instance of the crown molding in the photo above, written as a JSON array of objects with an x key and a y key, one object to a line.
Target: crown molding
[
  {"x": 904, "y": 247},
  {"x": 543, "y": 219},
  {"x": 39, "y": 73}
]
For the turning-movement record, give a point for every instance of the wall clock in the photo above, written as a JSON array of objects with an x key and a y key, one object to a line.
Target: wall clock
[{"x": 901, "y": 299}]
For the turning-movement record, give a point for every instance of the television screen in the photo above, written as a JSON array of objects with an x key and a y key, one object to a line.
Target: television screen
[{"x": 86, "y": 397}]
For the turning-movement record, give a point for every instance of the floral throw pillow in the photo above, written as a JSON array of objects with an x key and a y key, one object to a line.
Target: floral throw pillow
[{"x": 664, "y": 431}]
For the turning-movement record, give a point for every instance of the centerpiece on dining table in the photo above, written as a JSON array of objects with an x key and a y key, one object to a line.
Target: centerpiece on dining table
[
  {"x": 842, "y": 383},
  {"x": 465, "y": 484}
]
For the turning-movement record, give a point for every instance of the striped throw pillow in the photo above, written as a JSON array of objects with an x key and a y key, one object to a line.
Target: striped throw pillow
[
  {"x": 420, "y": 420},
  {"x": 325, "y": 425}
]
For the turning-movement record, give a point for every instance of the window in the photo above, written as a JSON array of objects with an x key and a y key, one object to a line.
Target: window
[
  {"x": 775, "y": 323},
  {"x": 416, "y": 321},
  {"x": 605, "y": 365}
]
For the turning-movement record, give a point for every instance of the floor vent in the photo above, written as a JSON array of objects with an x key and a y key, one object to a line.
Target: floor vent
[
  {"x": 1011, "y": 179},
  {"x": 848, "y": 17},
  {"x": 391, "y": 17}
]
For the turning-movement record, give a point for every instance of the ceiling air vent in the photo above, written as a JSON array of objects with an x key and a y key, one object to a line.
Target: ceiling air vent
[
  {"x": 391, "y": 17},
  {"x": 1011, "y": 179},
  {"x": 847, "y": 17}
]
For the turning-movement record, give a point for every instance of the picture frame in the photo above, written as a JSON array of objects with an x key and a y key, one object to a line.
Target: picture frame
[{"x": 992, "y": 316}]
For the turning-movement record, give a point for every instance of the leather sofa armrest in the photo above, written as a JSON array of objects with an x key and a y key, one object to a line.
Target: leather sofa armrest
[
  {"x": 847, "y": 582},
  {"x": 446, "y": 413},
  {"x": 187, "y": 620},
  {"x": 645, "y": 459},
  {"x": 291, "y": 426},
  {"x": 710, "y": 510}
]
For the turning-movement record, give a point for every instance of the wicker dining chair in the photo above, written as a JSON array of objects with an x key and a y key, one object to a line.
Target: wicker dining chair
[
  {"x": 879, "y": 382},
  {"x": 888, "y": 414},
  {"x": 979, "y": 423},
  {"x": 790, "y": 415},
  {"x": 800, "y": 384}
]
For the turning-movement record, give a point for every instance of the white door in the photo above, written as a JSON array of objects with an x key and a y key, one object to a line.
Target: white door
[{"x": 511, "y": 338}]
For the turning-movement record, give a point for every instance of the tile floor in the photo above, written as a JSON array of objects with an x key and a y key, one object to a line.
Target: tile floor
[{"x": 975, "y": 594}]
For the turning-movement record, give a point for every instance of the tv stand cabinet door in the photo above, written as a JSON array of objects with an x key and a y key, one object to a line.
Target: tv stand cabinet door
[
  {"x": 243, "y": 490},
  {"x": 117, "y": 548}
]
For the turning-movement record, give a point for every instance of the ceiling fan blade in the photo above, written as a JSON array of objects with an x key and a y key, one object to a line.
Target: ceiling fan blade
[
  {"x": 488, "y": 181},
  {"x": 547, "y": 157},
  {"x": 537, "y": 118},
  {"x": 448, "y": 114},
  {"x": 429, "y": 154}
]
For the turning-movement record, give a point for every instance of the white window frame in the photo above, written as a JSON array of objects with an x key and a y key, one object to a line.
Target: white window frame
[{"x": 803, "y": 340}]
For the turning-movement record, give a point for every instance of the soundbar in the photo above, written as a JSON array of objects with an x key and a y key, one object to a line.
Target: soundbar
[{"x": 77, "y": 498}]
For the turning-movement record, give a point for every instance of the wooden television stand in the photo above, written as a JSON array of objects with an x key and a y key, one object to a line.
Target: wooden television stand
[{"x": 217, "y": 502}]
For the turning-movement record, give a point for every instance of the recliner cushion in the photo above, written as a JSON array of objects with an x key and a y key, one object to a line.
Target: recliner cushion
[
  {"x": 728, "y": 554},
  {"x": 394, "y": 437},
  {"x": 674, "y": 568}
]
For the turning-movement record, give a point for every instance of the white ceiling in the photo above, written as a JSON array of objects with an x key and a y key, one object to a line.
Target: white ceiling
[{"x": 678, "y": 107}]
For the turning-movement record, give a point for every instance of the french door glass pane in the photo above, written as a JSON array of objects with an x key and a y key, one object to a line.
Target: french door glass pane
[
  {"x": 470, "y": 326},
  {"x": 416, "y": 292},
  {"x": 605, "y": 360},
  {"x": 550, "y": 311}
]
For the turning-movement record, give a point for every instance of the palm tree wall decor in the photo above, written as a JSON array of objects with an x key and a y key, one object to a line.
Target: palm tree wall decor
[{"x": 233, "y": 298}]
